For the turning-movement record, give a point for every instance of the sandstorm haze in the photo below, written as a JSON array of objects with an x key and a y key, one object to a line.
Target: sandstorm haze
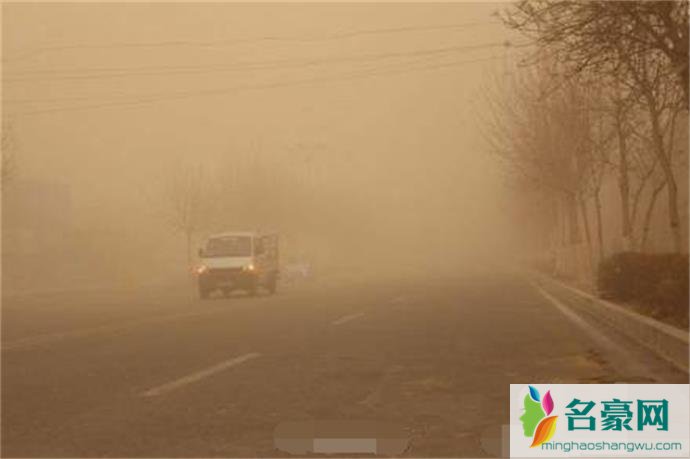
[
  {"x": 350, "y": 129},
  {"x": 299, "y": 230}
]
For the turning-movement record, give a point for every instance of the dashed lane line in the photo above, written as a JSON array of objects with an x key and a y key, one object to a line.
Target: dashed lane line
[
  {"x": 347, "y": 318},
  {"x": 199, "y": 375}
]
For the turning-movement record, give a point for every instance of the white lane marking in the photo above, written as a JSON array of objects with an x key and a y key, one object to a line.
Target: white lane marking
[
  {"x": 347, "y": 318},
  {"x": 344, "y": 445},
  {"x": 199, "y": 375},
  {"x": 48, "y": 338},
  {"x": 662, "y": 327},
  {"x": 623, "y": 357},
  {"x": 373, "y": 399}
]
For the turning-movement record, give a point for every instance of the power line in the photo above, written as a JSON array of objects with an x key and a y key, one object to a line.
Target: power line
[
  {"x": 140, "y": 101},
  {"x": 122, "y": 72},
  {"x": 243, "y": 41},
  {"x": 165, "y": 95},
  {"x": 87, "y": 98}
]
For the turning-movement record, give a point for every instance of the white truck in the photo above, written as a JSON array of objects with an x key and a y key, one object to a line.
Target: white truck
[{"x": 244, "y": 260}]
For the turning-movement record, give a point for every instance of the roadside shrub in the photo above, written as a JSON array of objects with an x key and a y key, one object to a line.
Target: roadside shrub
[{"x": 657, "y": 281}]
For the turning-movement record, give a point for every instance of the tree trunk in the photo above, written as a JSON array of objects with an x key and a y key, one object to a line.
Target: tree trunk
[
  {"x": 571, "y": 212},
  {"x": 674, "y": 220},
  {"x": 623, "y": 180},
  {"x": 664, "y": 161},
  {"x": 636, "y": 202},
  {"x": 648, "y": 216},
  {"x": 572, "y": 236},
  {"x": 600, "y": 226},
  {"x": 588, "y": 236}
]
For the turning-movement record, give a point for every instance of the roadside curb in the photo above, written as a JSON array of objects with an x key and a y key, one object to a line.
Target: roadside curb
[{"x": 668, "y": 342}]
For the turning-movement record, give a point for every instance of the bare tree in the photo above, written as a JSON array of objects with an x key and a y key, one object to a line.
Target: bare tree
[
  {"x": 188, "y": 203},
  {"x": 598, "y": 163},
  {"x": 546, "y": 138},
  {"x": 662, "y": 102},
  {"x": 641, "y": 46},
  {"x": 588, "y": 35}
]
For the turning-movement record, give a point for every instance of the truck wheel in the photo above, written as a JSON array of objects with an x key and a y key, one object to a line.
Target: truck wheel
[
  {"x": 252, "y": 287},
  {"x": 272, "y": 284}
]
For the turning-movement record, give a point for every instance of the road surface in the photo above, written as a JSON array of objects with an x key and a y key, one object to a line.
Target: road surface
[{"x": 159, "y": 373}]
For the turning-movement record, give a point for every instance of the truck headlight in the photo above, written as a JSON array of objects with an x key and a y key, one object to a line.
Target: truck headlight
[
  {"x": 201, "y": 269},
  {"x": 250, "y": 267}
]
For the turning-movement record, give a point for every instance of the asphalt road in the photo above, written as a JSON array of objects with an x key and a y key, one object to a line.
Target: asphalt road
[{"x": 159, "y": 373}]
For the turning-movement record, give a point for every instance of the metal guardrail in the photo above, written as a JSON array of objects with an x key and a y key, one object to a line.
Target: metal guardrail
[{"x": 668, "y": 342}]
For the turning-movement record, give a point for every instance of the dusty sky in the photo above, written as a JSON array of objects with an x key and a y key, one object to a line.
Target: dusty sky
[{"x": 380, "y": 98}]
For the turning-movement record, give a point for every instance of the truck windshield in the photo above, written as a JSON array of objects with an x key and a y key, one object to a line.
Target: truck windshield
[{"x": 229, "y": 246}]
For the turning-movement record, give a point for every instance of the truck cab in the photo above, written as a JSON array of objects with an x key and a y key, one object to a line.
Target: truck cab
[{"x": 238, "y": 261}]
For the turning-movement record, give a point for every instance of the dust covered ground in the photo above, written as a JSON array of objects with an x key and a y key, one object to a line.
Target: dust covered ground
[{"x": 107, "y": 372}]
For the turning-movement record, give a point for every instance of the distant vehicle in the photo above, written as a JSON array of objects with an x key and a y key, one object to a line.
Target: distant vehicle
[
  {"x": 296, "y": 271},
  {"x": 238, "y": 261}
]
